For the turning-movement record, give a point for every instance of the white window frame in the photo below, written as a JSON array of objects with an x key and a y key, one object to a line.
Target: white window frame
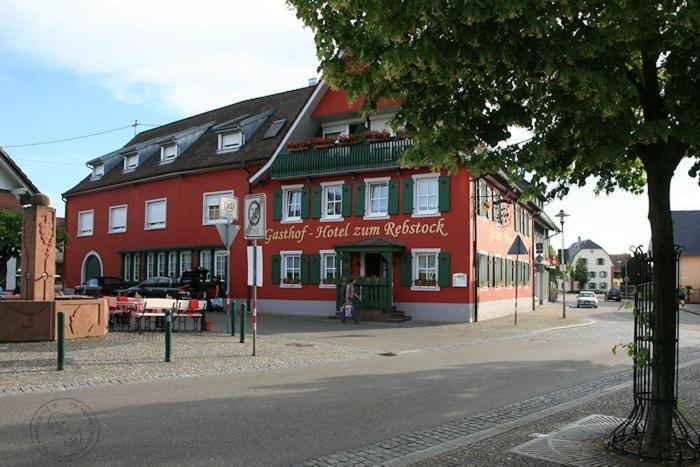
[
  {"x": 324, "y": 254},
  {"x": 173, "y": 260},
  {"x": 150, "y": 265},
  {"x": 414, "y": 268},
  {"x": 136, "y": 276},
  {"x": 285, "y": 206},
  {"x": 478, "y": 279},
  {"x": 126, "y": 167},
  {"x": 98, "y": 171},
  {"x": 161, "y": 266},
  {"x": 163, "y": 159},
  {"x": 181, "y": 259},
  {"x": 324, "y": 201},
  {"x": 145, "y": 220},
  {"x": 603, "y": 275},
  {"x": 592, "y": 284},
  {"x": 386, "y": 118},
  {"x": 368, "y": 198},
  {"x": 218, "y": 254},
  {"x": 206, "y": 266},
  {"x": 230, "y": 148},
  {"x": 111, "y": 229},
  {"x": 127, "y": 267},
  {"x": 87, "y": 233},
  {"x": 416, "y": 207},
  {"x": 283, "y": 267},
  {"x": 205, "y": 211}
]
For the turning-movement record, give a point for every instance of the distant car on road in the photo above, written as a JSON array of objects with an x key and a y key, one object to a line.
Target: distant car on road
[
  {"x": 102, "y": 285},
  {"x": 614, "y": 294},
  {"x": 586, "y": 298}
]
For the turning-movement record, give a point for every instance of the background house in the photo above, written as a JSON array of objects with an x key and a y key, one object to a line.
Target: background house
[
  {"x": 11, "y": 178},
  {"x": 686, "y": 232},
  {"x": 598, "y": 262}
]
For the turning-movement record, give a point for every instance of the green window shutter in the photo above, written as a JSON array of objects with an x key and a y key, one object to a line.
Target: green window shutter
[
  {"x": 406, "y": 269},
  {"x": 315, "y": 274},
  {"x": 304, "y": 269},
  {"x": 393, "y": 197},
  {"x": 407, "y": 195},
  {"x": 444, "y": 274},
  {"x": 360, "y": 198},
  {"x": 444, "y": 193},
  {"x": 276, "y": 269},
  {"x": 491, "y": 263},
  {"x": 316, "y": 197},
  {"x": 277, "y": 204},
  {"x": 305, "y": 202},
  {"x": 347, "y": 199}
]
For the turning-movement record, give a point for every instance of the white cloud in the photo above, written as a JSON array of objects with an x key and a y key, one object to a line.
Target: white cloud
[{"x": 190, "y": 56}]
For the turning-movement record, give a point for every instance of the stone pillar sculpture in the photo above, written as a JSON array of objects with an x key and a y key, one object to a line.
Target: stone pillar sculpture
[{"x": 38, "y": 250}]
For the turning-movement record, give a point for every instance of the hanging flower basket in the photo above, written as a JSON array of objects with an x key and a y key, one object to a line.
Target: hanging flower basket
[
  {"x": 322, "y": 142},
  {"x": 298, "y": 146},
  {"x": 375, "y": 136},
  {"x": 348, "y": 140}
]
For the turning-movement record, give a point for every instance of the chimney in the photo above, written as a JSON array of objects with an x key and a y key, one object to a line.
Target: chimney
[{"x": 313, "y": 81}]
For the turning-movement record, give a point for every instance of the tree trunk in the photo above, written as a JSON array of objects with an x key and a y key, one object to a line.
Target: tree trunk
[{"x": 659, "y": 422}]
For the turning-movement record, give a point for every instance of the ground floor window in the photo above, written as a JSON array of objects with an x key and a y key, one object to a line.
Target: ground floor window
[
  {"x": 150, "y": 266},
  {"x": 127, "y": 268},
  {"x": 291, "y": 268},
  {"x": 172, "y": 264},
  {"x": 603, "y": 286},
  {"x": 329, "y": 268},
  {"x": 591, "y": 286},
  {"x": 221, "y": 264},
  {"x": 483, "y": 270},
  {"x": 137, "y": 267},
  {"x": 425, "y": 267},
  {"x": 205, "y": 261},
  {"x": 185, "y": 261},
  {"x": 161, "y": 264}
]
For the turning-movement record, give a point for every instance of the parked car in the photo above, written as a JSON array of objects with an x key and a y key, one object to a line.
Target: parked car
[
  {"x": 193, "y": 283},
  {"x": 155, "y": 287},
  {"x": 614, "y": 294},
  {"x": 102, "y": 285},
  {"x": 586, "y": 298}
]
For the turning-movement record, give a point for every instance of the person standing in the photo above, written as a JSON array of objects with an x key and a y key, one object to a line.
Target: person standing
[{"x": 348, "y": 308}]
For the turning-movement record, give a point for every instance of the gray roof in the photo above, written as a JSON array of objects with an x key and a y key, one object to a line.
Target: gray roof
[
  {"x": 575, "y": 247},
  {"x": 197, "y": 138},
  {"x": 686, "y": 231}
]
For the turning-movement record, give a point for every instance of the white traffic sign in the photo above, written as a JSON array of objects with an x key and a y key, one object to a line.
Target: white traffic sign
[
  {"x": 254, "y": 224},
  {"x": 255, "y": 258},
  {"x": 228, "y": 233},
  {"x": 228, "y": 206}
]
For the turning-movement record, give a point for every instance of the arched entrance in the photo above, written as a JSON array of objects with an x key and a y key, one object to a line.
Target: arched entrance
[{"x": 92, "y": 266}]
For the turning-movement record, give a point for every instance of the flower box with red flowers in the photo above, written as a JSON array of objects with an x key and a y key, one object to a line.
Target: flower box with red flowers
[
  {"x": 375, "y": 136},
  {"x": 322, "y": 142},
  {"x": 298, "y": 146},
  {"x": 347, "y": 140}
]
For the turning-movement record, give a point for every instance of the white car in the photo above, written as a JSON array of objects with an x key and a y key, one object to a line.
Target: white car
[{"x": 586, "y": 298}]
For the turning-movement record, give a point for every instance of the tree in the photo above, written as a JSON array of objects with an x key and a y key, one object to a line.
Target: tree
[
  {"x": 11, "y": 235},
  {"x": 580, "y": 273},
  {"x": 608, "y": 88}
]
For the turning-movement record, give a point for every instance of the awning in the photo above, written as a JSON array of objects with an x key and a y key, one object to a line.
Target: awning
[{"x": 371, "y": 244}]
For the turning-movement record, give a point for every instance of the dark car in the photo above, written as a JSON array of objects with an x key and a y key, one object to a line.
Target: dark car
[
  {"x": 193, "y": 283},
  {"x": 102, "y": 285},
  {"x": 155, "y": 287},
  {"x": 614, "y": 294}
]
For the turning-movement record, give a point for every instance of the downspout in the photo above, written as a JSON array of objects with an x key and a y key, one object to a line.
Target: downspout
[
  {"x": 532, "y": 254},
  {"x": 474, "y": 250}
]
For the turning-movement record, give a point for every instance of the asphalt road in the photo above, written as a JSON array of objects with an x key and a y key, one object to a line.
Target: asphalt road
[{"x": 282, "y": 417}]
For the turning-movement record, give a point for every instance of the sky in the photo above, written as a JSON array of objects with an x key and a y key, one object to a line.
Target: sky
[{"x": 77, "y": 67}]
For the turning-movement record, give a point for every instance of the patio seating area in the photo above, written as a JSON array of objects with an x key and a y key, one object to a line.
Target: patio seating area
[{"x": 148, "y": 314}]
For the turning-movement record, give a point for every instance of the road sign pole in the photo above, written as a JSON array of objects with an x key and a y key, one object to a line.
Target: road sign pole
[{"x": 255, "y": 292}]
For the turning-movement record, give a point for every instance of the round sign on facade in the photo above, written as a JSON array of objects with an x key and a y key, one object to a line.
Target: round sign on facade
[{"x": 229, "y": 208}]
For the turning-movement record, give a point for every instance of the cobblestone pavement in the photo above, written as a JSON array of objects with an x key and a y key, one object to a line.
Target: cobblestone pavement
[
  {"x": 122, "y": 358},
  {"x": 396, "y": 450},
  {"x": 497, "y": 450}
]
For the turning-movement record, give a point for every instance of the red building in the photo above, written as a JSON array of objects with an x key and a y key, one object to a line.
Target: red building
[{"x": 427, "y": 245}]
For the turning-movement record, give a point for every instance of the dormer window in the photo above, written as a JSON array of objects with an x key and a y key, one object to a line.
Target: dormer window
[
  {"x": 98, "y": 170},
  {"x": 168, "y": 152},
  {"x": 231, "y": 141},
  {"x": 131, "y": 161}
]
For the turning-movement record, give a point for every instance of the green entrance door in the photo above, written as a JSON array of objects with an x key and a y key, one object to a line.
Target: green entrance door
[{"x": 92, "y": 268}]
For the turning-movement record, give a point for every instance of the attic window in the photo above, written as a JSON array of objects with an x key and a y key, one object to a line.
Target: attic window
[
  {"x": 98, "y": 170},
  {"x": 168, "y": 152},
  {"x": 131, "y": 161},
  {"x": 231, "y": 141},
  {"x": 274, "y": 128}
]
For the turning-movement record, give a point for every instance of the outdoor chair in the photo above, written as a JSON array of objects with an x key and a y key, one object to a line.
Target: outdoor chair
[{"x": 189, "y": 309}]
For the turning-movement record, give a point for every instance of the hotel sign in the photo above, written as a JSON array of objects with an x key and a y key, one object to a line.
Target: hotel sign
[{"x": 347, "y": 230}]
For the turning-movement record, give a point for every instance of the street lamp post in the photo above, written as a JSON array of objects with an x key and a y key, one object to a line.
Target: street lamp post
[{"x": 561, "y": 217}]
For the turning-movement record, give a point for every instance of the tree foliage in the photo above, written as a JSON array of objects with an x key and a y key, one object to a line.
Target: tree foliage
[
  {"x": 597, "y": 82},
  {"x": 11, "y": 234},
  {"x": 580, "y": 273}
]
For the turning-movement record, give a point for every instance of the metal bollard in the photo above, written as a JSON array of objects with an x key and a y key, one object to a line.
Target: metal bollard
[
  {"x": 202, "y": 319},
  {"x": 243, "y": 307},
  {"x": 232, "y": 310},
  {"x": 61, "y": 340},
  {"x": 168, "y": 333}
]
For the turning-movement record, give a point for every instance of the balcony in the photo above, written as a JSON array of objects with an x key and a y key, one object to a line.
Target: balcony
[{"x": 359, "y": 157}]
